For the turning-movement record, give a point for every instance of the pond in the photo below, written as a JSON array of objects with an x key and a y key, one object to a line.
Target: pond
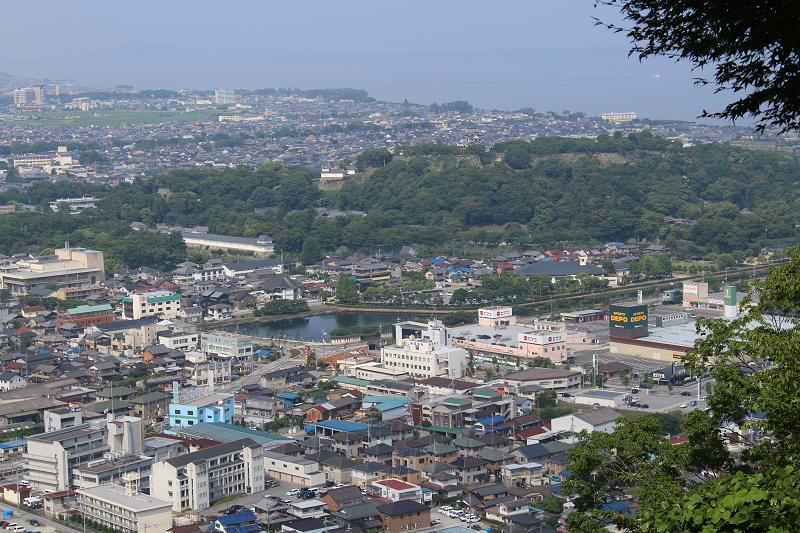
[{"x": 311, "y": 328}]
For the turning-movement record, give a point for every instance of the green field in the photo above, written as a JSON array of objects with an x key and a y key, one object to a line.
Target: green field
[{"x": 85, "y": 118}]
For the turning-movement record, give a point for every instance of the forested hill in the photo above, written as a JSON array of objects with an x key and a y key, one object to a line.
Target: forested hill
[
  {"x": 576, "y": 189},
  {"x": 615, "y": 188}
]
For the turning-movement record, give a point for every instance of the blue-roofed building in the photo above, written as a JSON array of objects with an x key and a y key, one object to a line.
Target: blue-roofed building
[
  {"x": 263, "y": 352},
  {"x": 329, "y": 427},
  {"x": 14, "y": 446},
  {"x": 236, "y": 523},
  {"x": 617, "y": 506},
  {"x": 290, "y": 399},
  {"x": 391, "y": 407},
  {"x": 491, "y": 424}
]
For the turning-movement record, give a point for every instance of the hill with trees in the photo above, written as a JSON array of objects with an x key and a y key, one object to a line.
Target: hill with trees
[{"x": 538, "y": 193}]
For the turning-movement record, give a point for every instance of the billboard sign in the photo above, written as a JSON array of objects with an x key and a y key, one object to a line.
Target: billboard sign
[
  {"x": 628, "y": 317},
  {"x": 495, "y": 312},
  {"x": 729, "y": 294},
  {"x": 690, "y": 288},
  {"x": 549, "y": 338}
]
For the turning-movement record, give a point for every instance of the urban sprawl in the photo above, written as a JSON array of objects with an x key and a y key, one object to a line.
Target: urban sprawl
[{"x": 153, "y": 402}]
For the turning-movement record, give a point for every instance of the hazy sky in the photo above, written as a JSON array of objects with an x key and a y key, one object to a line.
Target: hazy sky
[{"x": 497, "y": 55}]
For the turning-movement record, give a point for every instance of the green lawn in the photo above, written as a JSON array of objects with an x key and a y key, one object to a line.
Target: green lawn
[{"x": 85, "y": 118}]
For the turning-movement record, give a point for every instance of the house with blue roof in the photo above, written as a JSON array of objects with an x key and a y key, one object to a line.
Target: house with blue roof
[
  {"x": 491, "y": 424},
  {"x": 236, "y": 523},
  {"x": 618, "y": 507}
]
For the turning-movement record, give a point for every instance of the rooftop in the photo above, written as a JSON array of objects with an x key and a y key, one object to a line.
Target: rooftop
[{"x": 115, "y": 495}]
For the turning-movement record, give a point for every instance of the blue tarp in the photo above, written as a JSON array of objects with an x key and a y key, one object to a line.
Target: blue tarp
[{"x": 263, "y": 352}]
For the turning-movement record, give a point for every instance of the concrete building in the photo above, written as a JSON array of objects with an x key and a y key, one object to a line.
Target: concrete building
[
  {"x": 424, "y": 358},
  {"x": 69, "y": 267},
  {"x": 546, "y": 378},
  {"x": 619, "y": 117},
  {"x": 124, "y": 510},
  {"x": 205, "y": 409},
  {"x": 164, "y": 304},
  {"x": 261, "y": 244},
  {"x": 222, "y": 343},
  {"x": 605, "y": 398},
  {"x": 194, "y": 480},
  {"x": 298, "y": 470},
  {"x": 76, "y": 205},
  {"x": 224, "y": 96},
  {"x": 55, "y": 458}
]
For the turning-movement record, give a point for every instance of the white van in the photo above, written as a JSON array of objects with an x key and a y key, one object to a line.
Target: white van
[
  {"x": 33, "y": 502},
  {"x": 17, "y": 529}
]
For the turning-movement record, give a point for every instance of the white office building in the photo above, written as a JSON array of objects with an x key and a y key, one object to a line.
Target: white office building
[
  {"x": 194, "y": 480},
  {"x": 619, "y": 117},
  {"x": 224, "y": 96},
  {"x": 224, "y": 344},
  {"x": 424, "y": 358},
  {"x": 69, "y": 267}
]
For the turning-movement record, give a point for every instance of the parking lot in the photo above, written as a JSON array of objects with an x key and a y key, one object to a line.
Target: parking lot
[{"x": 446, "y": 521}]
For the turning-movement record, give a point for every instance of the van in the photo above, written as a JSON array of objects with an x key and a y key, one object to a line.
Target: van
[
  {"x": 17, "y": 529},
  {"x": 12, "y": 525}
]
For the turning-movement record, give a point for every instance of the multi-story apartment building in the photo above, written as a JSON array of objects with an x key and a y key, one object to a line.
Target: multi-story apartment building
[
  {"x": 227, "y": 344},
  {"x": 165, "y": 304},
  {"x": 56, "y": 459},
  {"x": 224, "y": 96},
  {"x": 619, "y": 117},
  {"x": 121, "y": 510},
  {"x": 196, "y": 479},
  {"x": 69, "y": 267},
  {"x": 424, "y": 358}
]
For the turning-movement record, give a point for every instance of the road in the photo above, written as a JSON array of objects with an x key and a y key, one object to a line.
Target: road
[{"x": 255, "y": 376}]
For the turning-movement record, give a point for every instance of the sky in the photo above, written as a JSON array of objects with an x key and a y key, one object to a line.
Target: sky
[{"x": 546, "y": 55}]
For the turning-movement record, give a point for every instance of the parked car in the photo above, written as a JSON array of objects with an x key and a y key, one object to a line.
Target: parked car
[
  {"x": 293, "y": 492},
  {"x": 645, "y": 406},
  {"x": 693, "y": 403},
  {"x": 686, "y": 393},
  {"x": 435, "y": 521},
  {"x": 684, "y": 406},
  {"x": 328, "y": 484},
  {"x": 35, "y": 522}
]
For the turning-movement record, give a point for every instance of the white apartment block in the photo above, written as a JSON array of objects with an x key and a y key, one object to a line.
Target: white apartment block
[
  {"x": 69, "y": 267},
  {"x": 224, "y": 96},
  {"x": 619, "y": 117},
  {"x": 165, "y": 304},
  {"x": 194, "y": 480},
  {"x": 227, "y": 344},
  {"x": 100, "y": 449},
  {"x": 126, "y": 511},
  {"x": 424, "y": 358}
]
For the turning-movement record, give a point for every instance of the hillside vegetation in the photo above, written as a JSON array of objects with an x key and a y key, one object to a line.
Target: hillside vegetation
[{"x": 542, "y": 192}]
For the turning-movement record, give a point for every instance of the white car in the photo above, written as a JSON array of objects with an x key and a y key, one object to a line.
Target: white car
[
  {"x": 684, "y": 405},
  {"x": 293, "y": 492},
  {"x": 435, "y": 521},
  {"x": 473, "y": 520}
]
